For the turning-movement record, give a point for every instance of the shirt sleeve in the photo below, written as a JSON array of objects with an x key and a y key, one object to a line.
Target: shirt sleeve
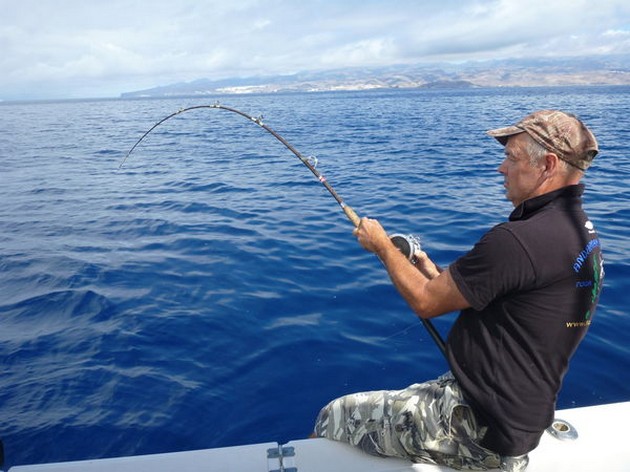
[{"x": 497, "y": 265}]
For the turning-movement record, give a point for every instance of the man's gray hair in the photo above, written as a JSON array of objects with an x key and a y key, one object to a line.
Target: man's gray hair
[{"x": 537, "y": 153}]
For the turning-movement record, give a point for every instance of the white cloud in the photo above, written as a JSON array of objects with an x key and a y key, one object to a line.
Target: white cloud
[
  {"x": 79, "y": 47},
  {"x": 365, "y": 52}
]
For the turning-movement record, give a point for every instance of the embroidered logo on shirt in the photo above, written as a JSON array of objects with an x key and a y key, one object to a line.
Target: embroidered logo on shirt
[
  {"x": 597, "y": 276},
  {"x": 590, "y": 227},
  {"x": 582, "y": 256}
]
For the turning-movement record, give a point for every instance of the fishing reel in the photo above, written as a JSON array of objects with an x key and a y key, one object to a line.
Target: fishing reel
[{"x": 408, "y": 244}]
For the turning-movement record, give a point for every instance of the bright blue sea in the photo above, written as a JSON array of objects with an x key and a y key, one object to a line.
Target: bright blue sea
[{"x": 211, "y": 293}]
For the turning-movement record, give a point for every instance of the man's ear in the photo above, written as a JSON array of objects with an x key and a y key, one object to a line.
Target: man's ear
[{"x": 551, "y": 163}]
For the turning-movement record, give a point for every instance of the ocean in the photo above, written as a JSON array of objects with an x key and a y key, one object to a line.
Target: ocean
[{"x": 210, "y": 292}]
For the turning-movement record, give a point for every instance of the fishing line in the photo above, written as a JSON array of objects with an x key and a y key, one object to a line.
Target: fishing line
[{"x": 406, "y": 244}]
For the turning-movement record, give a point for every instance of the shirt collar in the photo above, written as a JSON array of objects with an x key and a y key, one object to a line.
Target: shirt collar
[{"x": 531, "y": 206}]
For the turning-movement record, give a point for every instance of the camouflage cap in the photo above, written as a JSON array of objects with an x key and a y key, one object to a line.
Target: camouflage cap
[{"x": 558, "y": 132}]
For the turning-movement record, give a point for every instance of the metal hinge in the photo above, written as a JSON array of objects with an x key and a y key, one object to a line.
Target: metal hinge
[{"x": 281, "y": 459}]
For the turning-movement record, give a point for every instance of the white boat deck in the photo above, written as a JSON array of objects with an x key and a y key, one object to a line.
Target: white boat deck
[{"x": 601, "y": 445}]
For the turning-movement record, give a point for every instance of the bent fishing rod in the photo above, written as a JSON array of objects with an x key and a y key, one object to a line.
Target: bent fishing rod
[{"x": 406, "y": 244}]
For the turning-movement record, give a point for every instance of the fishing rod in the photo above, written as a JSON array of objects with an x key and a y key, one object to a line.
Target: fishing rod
[{"x": 406, "y": 244}]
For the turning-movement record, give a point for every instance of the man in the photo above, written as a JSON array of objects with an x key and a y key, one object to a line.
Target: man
[{"x": 527, "y": 292}]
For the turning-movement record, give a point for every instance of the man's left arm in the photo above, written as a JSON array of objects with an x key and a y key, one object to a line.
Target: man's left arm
[{"x": 429, "y": 293}]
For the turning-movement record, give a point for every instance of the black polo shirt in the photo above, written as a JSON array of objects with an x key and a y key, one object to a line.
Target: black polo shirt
[{"x": 533, "y": 284}]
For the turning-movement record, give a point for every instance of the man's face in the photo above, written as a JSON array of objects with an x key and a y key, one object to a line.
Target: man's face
[{"x": 521, "y": 179}]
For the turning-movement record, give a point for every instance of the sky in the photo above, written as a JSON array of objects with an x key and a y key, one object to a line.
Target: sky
[{"x": 101, "y": 48}]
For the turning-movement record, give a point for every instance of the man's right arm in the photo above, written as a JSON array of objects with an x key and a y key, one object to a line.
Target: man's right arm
[{"x": 426, "y": 266}]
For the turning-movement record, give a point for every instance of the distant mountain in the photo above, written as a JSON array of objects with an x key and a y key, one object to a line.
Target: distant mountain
[{"x": 600, "y": 70}]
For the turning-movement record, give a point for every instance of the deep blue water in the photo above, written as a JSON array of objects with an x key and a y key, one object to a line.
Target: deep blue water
[{"x": 211, "y": 293}]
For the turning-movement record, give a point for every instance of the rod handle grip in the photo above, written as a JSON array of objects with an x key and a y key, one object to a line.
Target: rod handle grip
[{"x": 352, "y": 216}]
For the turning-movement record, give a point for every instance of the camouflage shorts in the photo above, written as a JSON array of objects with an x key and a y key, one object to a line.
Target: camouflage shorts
[{"x": 428, "y": 422}]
